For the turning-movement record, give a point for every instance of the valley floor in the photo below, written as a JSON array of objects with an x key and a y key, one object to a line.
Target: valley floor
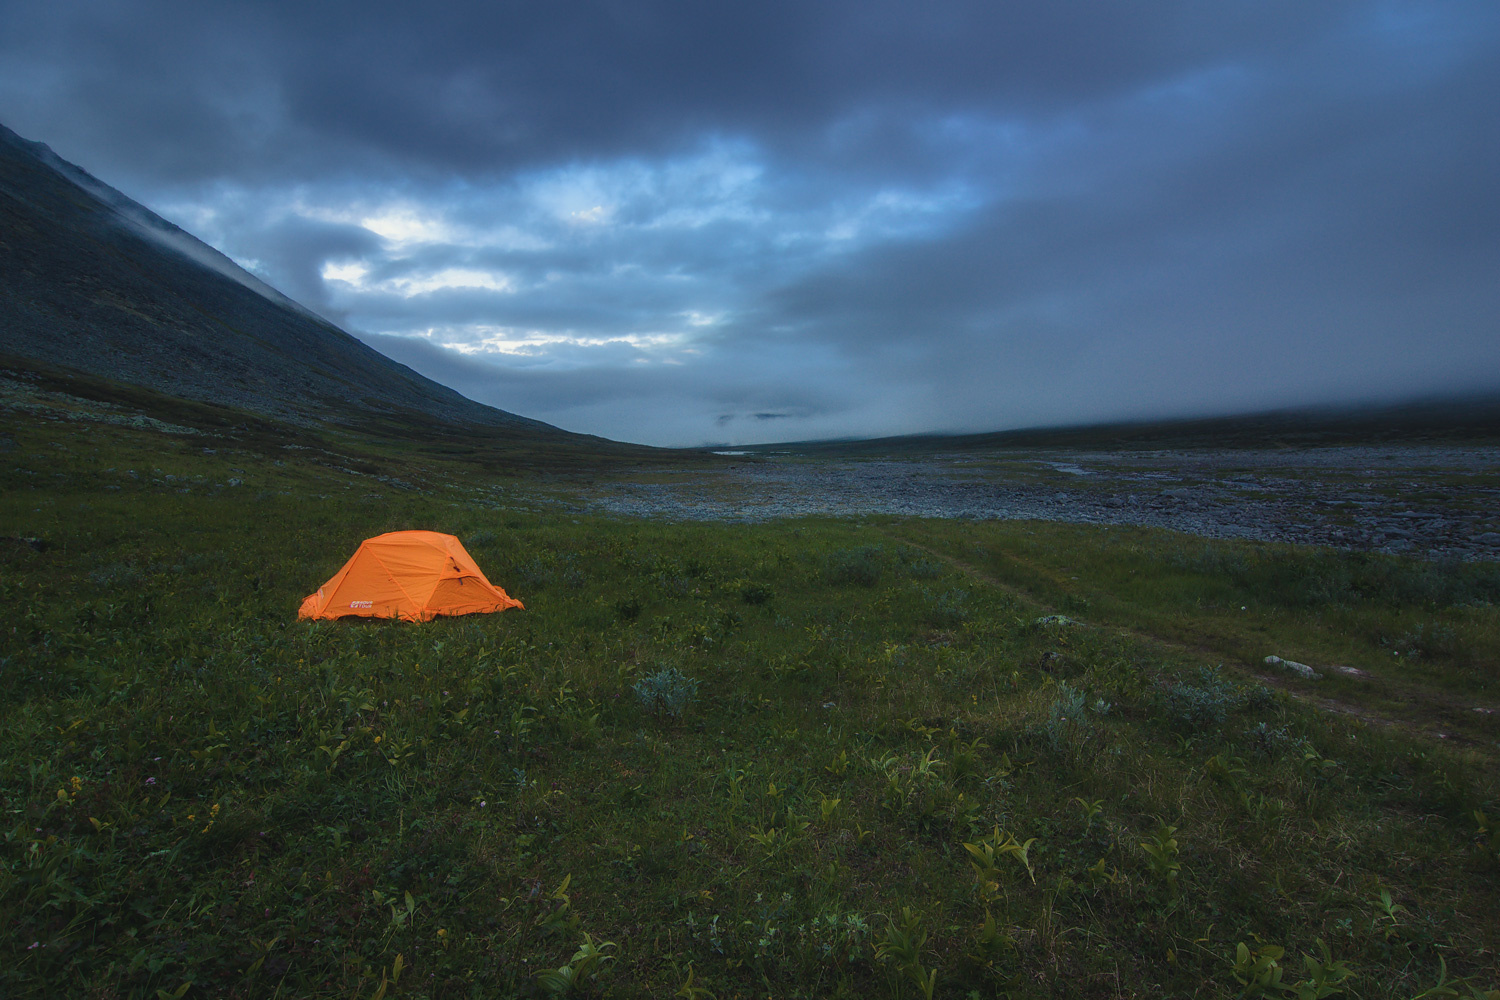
[
  {"x": 889, "y": 755},
  {"x": 1438, "y": 502}
]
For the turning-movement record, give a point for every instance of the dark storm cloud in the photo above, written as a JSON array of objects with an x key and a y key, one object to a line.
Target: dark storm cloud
[
  {"x": 688, "y": 222},
  {"x": 478, "y": 87}
]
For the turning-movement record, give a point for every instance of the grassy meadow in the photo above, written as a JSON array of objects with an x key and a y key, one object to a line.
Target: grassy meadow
[{"x": 816, "y": 758}]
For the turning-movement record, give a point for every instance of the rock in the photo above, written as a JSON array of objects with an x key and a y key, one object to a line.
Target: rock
[
  {"x": 1488, "y": 538},
  {"x": 1054, "y": 620},
  {"x": 1349, "y": 671},
  {"x": 1301, "y": 669}
]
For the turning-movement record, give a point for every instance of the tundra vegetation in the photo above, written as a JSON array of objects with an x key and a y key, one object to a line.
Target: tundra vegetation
[{"x": 808, "y": 758}]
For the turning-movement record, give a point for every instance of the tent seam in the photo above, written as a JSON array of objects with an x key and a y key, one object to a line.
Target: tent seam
[{"x": 397, "y": 581}]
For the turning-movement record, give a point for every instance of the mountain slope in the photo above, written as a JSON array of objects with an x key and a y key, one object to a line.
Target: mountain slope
[{"x": 94, "y": 281}]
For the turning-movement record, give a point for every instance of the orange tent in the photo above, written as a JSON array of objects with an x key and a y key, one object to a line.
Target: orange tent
[{"x": 411, "y": 575}]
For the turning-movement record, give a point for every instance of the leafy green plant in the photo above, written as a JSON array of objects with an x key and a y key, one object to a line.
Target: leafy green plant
[
  {"x": 580, "y": 968},
  {"x": 1161, "y": 854},
  {"x": 1260, "y": 972},
  {"x": 1259, "y": 969},
  {"x": 966, "y": 756},
  {"x": 1488, "y": 837},
  {"x": 983, "y": 856},
  {"x": 1090, "y": 811},
  {"x": 773, "y": 839},
  {"x": 387, "y": 981},
  {"x": 1261, "y": 809},
  {"x": 900, "y": 946},
  {"x": 690, "y": 992},
  {"x": 838, "y": 765},
  {"x": 1101, "y": 874},
  {"x": 1225, "y": 768},
  {"x": 991, "y": 942},
  {"x": 560, "y": 920},
  {"x": 829, "y": 808},
  {"x": 734, "y": 782},
  {"x": 1387, "y": 919},
  {"x": 1325, "y": 977},
  {"x": 1446, "y": 987}
]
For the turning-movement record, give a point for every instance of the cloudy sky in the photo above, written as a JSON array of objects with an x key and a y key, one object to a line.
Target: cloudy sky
[{"x": 682, "y": 222}]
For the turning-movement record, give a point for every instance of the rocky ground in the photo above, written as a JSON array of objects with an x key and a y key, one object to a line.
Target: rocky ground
[{"x": 1439, "y": 502}]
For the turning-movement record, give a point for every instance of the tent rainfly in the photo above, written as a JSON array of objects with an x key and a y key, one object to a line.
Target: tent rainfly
[{"x": 411, "y": 575}]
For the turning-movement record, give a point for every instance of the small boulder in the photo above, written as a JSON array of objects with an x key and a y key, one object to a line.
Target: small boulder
[{"x": 1301, "y": 669}]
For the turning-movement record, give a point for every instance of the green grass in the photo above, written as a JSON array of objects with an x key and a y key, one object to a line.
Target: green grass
[
  {"x": 1425, "y": 634},
  {"x": 881, "y": 775}
]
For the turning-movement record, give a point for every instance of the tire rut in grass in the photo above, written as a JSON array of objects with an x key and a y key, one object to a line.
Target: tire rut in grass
[{"x": 1431, "y": 702}]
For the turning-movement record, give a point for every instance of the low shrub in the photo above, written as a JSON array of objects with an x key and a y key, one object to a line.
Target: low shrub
[
  {"x": 666, "y": 692},
  {"x": 754, "y": 593},
  {"x": 924, "y": 569},
  {"x": 862, "y": 565},
  {"x": 948, "y": 609},
  {"x": 1205, "y": 703},
  {"x": 1068, "y": 726},
  {"x": 1267, "y": 741},
  {"x": 1427, "y": 641}
]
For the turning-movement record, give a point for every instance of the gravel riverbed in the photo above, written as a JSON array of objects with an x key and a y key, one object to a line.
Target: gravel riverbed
[{"x": 1439, "y": 502}]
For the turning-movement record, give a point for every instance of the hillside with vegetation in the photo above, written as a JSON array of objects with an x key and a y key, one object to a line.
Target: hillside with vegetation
[{"x": 95, "y": 283}]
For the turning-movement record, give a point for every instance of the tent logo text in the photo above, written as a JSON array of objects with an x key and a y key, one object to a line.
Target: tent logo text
[{"x": 360, "y": 604}]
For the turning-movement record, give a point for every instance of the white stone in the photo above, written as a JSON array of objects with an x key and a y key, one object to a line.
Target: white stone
[{"x": 1300, "y": 669}]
